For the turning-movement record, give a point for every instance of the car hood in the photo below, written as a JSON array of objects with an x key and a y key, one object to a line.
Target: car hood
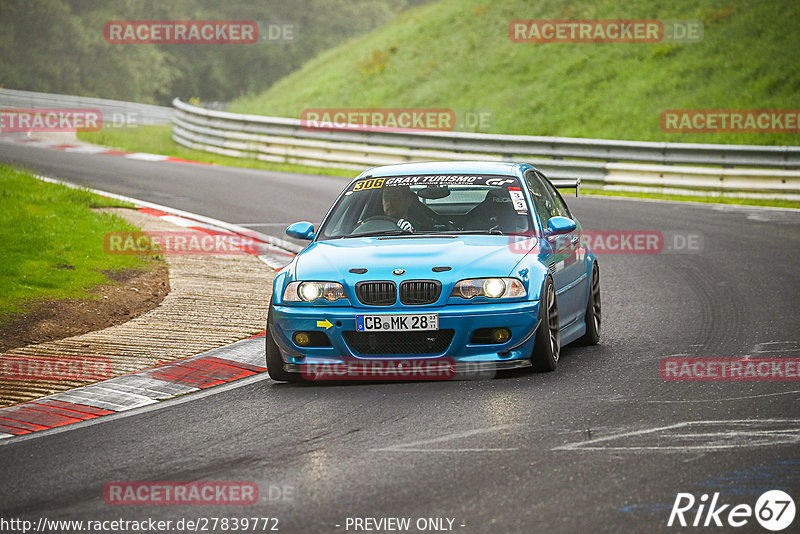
[{"x": 467, "y": 256}]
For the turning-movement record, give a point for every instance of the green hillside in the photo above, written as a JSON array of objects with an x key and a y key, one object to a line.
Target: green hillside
[{"x": 457, "y": 54}]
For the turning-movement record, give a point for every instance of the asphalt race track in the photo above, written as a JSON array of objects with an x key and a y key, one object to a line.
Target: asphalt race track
[{"x": 602, "y": 445}]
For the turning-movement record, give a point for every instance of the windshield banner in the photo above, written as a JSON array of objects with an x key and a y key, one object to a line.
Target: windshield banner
[{"x": 435, "y": 179}]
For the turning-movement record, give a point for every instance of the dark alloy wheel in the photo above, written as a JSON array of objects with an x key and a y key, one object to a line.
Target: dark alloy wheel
[
  {"x": 547, "y": 347},
  {"x": 593, "y": 316}
]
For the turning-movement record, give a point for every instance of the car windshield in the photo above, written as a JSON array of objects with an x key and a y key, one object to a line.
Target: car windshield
[{"x": 429, "y": 204}]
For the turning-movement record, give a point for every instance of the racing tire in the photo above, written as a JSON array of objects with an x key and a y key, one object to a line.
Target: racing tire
[
  {"x": 547, "y": 346},
  {"x": 274, "y": 360},
  {"x": 594, "y": 310}
]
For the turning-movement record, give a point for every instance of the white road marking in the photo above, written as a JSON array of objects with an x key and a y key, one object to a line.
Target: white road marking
[
  {"x": 414, "y": 445},
  {"x": 146, "y": 157},
  {"x": 142, "y": 409},
  {"x": 446, "y": 450},
  {"x": 735, "y": 438},
  {"x": 179, "y": 221},
  {"x": 724, "y": 400},
  {"x": 581, "y": 444},
  {"x": 789, "y": 346},
  {"x": 87, "y": 149}
]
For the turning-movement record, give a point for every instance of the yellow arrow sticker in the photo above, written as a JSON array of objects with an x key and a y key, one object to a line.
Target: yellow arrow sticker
[{"x": 324, "y": 324}]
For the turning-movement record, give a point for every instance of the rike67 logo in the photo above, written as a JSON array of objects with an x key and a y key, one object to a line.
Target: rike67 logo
[{"x": 774, "y": 510}]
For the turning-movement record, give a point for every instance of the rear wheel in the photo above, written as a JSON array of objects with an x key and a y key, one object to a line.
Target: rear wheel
[
  {"x": 547, "y": 347},
  {"x": 593, "y": 311},
  {"x": 274, "y": 360}
]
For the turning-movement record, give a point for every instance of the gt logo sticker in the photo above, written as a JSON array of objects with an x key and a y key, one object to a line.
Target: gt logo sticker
[
  {"x": 498, "y": 182},
  {"x": 372, "y": 183}
]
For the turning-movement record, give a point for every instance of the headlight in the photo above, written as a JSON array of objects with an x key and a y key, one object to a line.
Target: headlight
[
  {"x": 493, "y": 288},
  {"x": 311, "y": 291}
]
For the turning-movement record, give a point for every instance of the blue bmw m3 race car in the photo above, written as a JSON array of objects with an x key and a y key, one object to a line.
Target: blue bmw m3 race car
[{"x": 462, "y": 266}]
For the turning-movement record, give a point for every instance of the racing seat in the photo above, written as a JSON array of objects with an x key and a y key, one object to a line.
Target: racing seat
[
  {"x": 496, "y": 211},
  {"x": 425, "y": 218}
]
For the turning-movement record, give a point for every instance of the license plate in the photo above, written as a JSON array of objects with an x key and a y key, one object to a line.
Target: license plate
[{"x": 397, "y": 323}]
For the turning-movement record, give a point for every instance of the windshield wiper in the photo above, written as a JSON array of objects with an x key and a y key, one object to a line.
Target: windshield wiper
[
  {"x": 493, "y": 231},
  {"x": 382, "y": 232},
  {"x": 437, "y": 235}
]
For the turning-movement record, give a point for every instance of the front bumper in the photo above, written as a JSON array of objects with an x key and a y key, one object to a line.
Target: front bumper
[
  {"x": 461, "y": 369},
  {"x": 521, "y": 318}
]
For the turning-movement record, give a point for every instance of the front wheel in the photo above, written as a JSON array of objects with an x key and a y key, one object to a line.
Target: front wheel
[
  {"x": 593, "y": 311},
  {"x": 547, "y": 347},
  {"x": 274, "y": 359}
]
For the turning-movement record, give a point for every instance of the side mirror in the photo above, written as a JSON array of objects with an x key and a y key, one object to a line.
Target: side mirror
[
  {"x": 301, "y": 230},
  {"x": 560, "y": 225}
]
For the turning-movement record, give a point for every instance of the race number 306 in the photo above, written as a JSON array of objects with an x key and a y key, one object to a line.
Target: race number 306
[{"x": 372, "y": 183}]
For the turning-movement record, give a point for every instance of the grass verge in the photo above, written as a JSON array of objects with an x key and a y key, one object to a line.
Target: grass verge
[
  {"x": 457, "y": 54},
  {"x": 52, "y": 243}
]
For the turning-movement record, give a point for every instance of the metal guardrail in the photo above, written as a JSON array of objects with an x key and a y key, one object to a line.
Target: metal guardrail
[
  {"x": 731, "y": 169},
  {"x": 115, "y": 112},
  {"x": 735, "y": 170}
]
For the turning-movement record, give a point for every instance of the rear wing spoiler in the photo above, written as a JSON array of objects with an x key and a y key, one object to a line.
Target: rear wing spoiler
[{"x": 568, "y": 184}]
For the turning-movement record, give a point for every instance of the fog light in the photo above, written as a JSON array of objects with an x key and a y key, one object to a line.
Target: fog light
[
  {"x": 301, "y": 339},
  {"x": 501, "y": 335}
]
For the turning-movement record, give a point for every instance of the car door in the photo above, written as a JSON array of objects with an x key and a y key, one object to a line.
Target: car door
[{"x": 565, "y": 260}]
